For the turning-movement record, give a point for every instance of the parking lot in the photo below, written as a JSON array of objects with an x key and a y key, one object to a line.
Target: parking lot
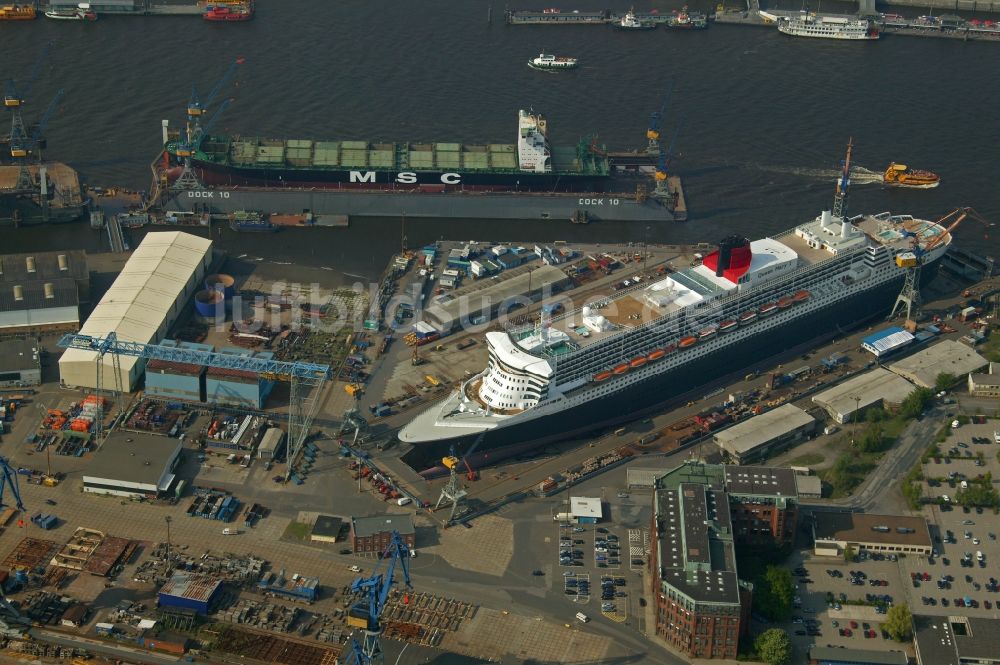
[
  {"x": 963, "y": 573},
  {"x": 590, "y": 550}
]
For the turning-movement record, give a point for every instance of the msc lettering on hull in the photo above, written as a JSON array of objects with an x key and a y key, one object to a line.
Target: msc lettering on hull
[{"x": 405, "y": 177}]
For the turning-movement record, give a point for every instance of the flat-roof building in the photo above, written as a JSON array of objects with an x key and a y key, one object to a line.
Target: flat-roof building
[
  {"x": 326, "y": 529},
  {"x": 271, "y": 443},
  {"x": 955, "y": 640},
  {"x": 886, "y": 342},
  {"x": 141, "y": 306},
  {"x": 945, "y": 357},
  {"x": 19, "y": 363},
  {"x": 834, "y": 532},
  {"x": 754, "y": 439},
  {"x": 879, "y": 387},
  {"x": 701, "y": 514},
  {"x": 133, "y": 464},
  {"x": 42, "y": 291},
  {"x": 586, "y": 510},
  {"x": 839, "y": 656},
  {"x": 809, "y": 487},
  {"x": 474, "y": 301}
]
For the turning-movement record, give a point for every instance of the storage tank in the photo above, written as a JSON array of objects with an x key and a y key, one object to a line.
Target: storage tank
[
  {"x": 221, "y": 282},
  {"x": 210, "y": 304}
]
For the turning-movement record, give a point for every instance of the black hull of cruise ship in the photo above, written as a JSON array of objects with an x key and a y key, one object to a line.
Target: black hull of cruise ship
[{"x": 663, "y": 390}]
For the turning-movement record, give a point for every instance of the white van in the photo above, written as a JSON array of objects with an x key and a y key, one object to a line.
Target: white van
[
  {"x": 955, "y": 424},
  {"x": 403, "y": 500},
  {"x": 581, "y": 617},
  {"x": 230, "y": 532}
]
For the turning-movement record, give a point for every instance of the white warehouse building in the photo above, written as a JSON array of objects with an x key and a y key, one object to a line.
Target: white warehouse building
[{"x": 141, "y": 306}]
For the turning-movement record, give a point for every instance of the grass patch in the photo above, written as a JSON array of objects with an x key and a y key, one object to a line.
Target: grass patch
[
  {"x": 848, "y": 472},
  {"x": 991, "y": 348},
  {"x": 297, "y": 531},
  {"x": 809, "y": 459}
]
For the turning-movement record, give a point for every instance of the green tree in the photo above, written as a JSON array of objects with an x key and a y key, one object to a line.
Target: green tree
[
  {"x": 899, "y": 622},
  {"x": 774, "y": 647},
  {"x": 774, "y": 592},
  {"x": 849, "y": 554},
  {"x": 873, "y": 439},
  {"x": 916, "y": 402},
  {"x": 876, "y": 414},
  {"x": 944, "y": 381}
]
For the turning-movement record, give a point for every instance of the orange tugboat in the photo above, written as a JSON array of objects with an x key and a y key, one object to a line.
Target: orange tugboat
[
  {"x": 899, "y": 175},
  {"x": 17, "y": 13}
]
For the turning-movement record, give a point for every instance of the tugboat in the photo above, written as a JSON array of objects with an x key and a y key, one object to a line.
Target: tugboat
[
  {"x": 552, "y": 62},
  {"x": 242, "y": 11},
  {"x": 81, "y": 12},
  {"x": 630, "y": 22},
  {"x": 685, "y": 20},
  {"x": 900, "y": 175},
  {"x": 17, "y": 13}
]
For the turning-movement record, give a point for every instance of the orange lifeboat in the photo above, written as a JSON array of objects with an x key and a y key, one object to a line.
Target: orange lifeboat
[
  {"x": 621, "y": 369},
  {"x": 768, "y": 308},
  {"x": 602, "y": 376},
  {"x": 801, "y": 296},
  {"x": 728, "y": 325},
  {"x": 708, "y": 332},
  {"x": 784, "y": 303},
  {"x": 747, "y": 316},
  {"x": 687, "y": 342},
  {"x": 637, "y": 362},
  {"x": 657, "y": 354}
]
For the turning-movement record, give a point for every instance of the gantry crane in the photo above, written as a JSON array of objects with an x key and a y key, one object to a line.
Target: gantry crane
[
  {"x": 367, "y": 613},
  {"x": 912, "y": 261},
  {"x": 306, "y": 379},
  {"x": 22, "y": 143},
  {"x": 195, "y": 130},
  {"x": 453, "y": 491}
]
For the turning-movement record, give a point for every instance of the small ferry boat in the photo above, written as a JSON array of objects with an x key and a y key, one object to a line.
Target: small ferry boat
[
  {"x": 81, "y": 12},
  {"x": 828, "y": 27},
  {"x": 17, "y": 13},
  {"x": 685, "y": 20},
  {"x": 900, "y": 175},
  {"x": 552, "y": 62},
  {"x": 229, "y": 12},
  {"x": 630, "y": 22}
]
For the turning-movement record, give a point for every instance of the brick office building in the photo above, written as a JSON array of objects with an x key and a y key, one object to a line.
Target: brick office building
[
  {"x": 700, "y": 514},
  {"x": 372, "y": 535}
]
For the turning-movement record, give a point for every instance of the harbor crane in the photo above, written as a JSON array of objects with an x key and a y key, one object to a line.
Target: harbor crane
[
  {"x": 367, "y": 614},
  {"x": 453, "y": 491},
  {"x": 660, "y": 176},
  {"x": 653, "y": 146},
  {"x": 908, "y": 300},
  {"x": 307, "y": 379},
  {"x": 195, "y": 129},
  {"x": 24, "y": 144},
  {"x": 9, "y": 478}
]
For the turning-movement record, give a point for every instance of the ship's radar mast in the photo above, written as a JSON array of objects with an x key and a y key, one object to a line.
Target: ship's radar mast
[{"x": 843, "y": 183}]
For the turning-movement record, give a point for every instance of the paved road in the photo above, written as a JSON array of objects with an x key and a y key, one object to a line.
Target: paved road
[
  {"x": 912, "y": 443},
  {"x": 106, "y": 648}
]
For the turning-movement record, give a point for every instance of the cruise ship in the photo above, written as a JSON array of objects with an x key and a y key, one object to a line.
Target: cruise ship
[
  {"x": 829, "y": 27},
  {"x": 641, "y": 348}
]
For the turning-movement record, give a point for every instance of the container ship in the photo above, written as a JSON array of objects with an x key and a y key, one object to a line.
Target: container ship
[
  {"x": 528, "y": 165},
  {"x": 643, "y": 347}
]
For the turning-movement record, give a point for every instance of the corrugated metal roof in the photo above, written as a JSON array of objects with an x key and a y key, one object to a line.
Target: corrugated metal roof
[
  {"x": 193, "y": 587},
  {"x": 887, "y": 340},
  {"x": 14, "y": 267},
  {"x": 32, "y": 294},
  {"x": 140, "y": 299}
]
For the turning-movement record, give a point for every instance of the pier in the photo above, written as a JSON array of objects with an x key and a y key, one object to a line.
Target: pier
[{"x": 130, "y": 8}]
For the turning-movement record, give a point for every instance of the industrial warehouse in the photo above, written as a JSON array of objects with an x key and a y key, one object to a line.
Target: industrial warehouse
[
  {"x": 134, "y": 464},
  {"x": 850, "y": 399},
  {"x": 945, "y": 357},
  {"x": 42, "y": 292},
  {"x": 766, "y": 434},
  {"x": 20, "y": 364},
  {"x": 141, "y": 306}
]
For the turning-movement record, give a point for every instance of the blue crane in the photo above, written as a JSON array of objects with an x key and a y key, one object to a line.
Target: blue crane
[
  {"x": 196, "y": 108},
  {"x": 306, "y": 379},
  {"x": 655, "y": 120},
  {"x": 664, "y": 162},
  {"x": 9, "y": 477},
  {"x": 367, "y": 613},
  {"x": 14, "y": 95}
]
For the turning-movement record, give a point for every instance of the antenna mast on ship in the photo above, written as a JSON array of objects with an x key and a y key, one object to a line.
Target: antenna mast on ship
[{"x": 843, "y": 182}]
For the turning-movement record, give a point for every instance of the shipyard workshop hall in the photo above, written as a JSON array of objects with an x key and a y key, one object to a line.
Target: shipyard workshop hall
[{"x": 141, "y": 306}]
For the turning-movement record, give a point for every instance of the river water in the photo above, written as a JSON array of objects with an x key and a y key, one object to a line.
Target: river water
[{"x": 761, "y": 120}]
